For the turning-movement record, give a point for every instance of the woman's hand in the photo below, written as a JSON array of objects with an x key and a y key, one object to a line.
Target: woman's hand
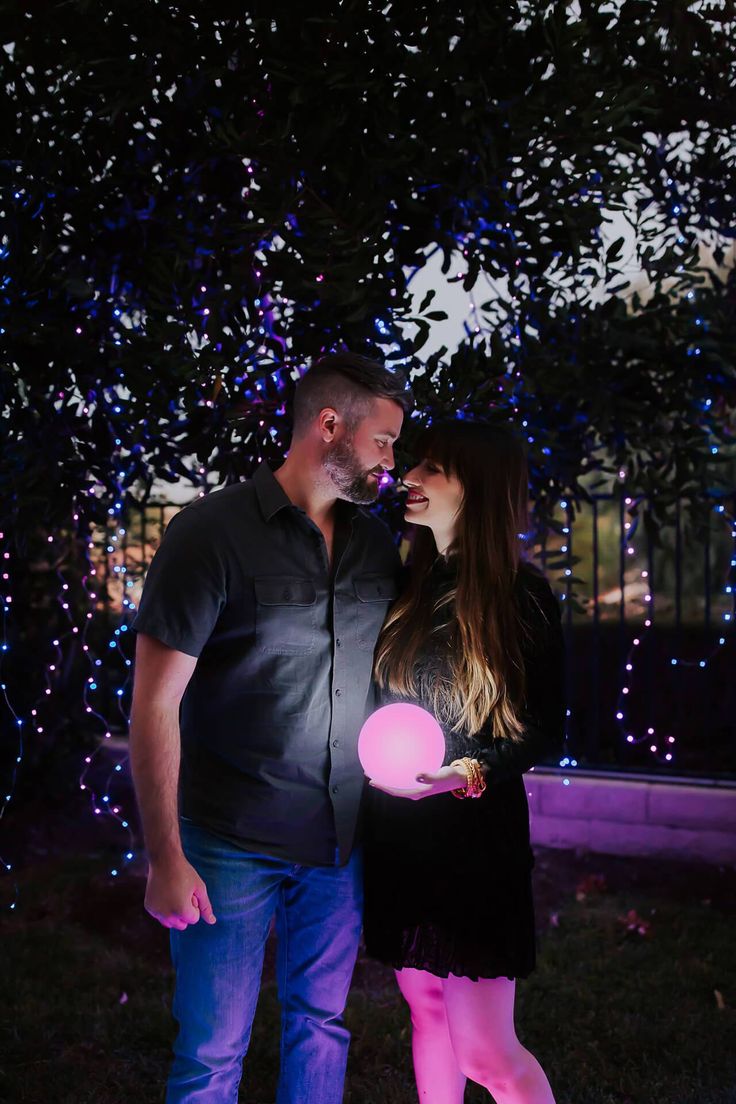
[{"x": 445, "y": 779}]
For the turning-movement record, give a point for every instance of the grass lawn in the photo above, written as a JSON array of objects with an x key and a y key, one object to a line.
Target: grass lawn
[{"x": 614, "y": 1015}]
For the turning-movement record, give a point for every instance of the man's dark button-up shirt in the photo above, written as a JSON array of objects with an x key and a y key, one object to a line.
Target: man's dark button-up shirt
[{"x": 284, "y": 647}]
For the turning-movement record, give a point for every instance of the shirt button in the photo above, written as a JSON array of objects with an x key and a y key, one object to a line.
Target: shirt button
[
  {"x": 339, "y": 642},
  {"x": 335, "y": 743},
  {"x": 338, "y": 693},
  {"x": 335, "y": 789}
]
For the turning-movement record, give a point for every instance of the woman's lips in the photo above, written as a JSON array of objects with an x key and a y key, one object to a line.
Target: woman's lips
[{"x": 415, "y": 499}]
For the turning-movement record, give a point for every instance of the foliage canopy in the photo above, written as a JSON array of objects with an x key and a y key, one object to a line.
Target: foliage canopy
[{"x": 194, "y": 206}]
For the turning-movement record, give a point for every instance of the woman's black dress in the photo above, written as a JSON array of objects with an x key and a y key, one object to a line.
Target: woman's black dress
[{"x": 448, "y": 882}]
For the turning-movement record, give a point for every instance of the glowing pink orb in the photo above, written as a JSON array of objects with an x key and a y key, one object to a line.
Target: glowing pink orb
[{"x": 398, "y": 742}]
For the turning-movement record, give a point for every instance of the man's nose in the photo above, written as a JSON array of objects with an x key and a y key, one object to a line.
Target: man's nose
[{"x": 388, "y": 462}]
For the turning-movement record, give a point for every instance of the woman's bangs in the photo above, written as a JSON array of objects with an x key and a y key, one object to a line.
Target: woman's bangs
[{"x": 436, "y": 446}]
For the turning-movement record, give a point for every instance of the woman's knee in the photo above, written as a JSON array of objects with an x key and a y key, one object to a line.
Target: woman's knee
[
  {"x": 423, "y": 993},
  {"x": 494, "y": 1067}
]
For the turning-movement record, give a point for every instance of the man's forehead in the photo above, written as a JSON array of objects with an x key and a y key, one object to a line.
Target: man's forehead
[{"x": 386, "y": 417}]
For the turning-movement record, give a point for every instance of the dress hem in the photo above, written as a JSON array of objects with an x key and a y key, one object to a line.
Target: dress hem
[{"x": 520, "y": 975}]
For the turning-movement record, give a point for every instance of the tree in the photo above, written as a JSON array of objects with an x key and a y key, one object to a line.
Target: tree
[{"x": 197, "y": 204}]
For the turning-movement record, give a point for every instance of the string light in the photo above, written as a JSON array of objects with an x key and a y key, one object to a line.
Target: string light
[
  {"x": 76, "y": 636},
  {"x": 114, "y": 649},
  {"x": 666, "y": 754},
  {"x": 106, "y": 555},
  {"x": 18, "y": 725}
]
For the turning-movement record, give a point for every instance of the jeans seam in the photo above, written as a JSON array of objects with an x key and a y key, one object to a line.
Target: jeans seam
[{"x": 285, "y": 997}]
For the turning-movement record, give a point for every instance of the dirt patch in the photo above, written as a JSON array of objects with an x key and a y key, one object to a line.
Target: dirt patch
[{"x": 560, "y": 875}]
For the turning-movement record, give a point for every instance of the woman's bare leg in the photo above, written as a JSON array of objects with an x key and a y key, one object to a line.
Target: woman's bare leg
[
  {"x": 480, "y": 1018},
  {"x": 438, "y": 1076}
]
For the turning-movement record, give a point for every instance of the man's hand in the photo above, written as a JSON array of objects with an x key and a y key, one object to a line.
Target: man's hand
[
  {"x": 446, "y": 779},
  {"x": 176, "y": 896}
]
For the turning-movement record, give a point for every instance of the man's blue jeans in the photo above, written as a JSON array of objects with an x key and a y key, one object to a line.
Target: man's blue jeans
[{"x": 218, "y": 972}]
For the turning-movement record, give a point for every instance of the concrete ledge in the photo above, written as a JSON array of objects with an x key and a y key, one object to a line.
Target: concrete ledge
[
  {"x": 641, "y": 816},
  {"x": 680, "y": 807},
  {"x": 619, "y": 801},
  {"x": 564, "y": 832}
]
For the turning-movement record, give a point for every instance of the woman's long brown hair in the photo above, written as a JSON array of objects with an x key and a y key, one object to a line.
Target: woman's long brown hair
[{"x": 486, "y": 676}]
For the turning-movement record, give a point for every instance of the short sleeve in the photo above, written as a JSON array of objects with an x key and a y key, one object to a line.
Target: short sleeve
[
  {"x": 185, "y": 588},
  {"x": 543, "y": 716}
]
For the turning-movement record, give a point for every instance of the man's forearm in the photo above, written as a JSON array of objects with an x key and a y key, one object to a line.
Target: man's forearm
[{"x": 155, "y": 753}]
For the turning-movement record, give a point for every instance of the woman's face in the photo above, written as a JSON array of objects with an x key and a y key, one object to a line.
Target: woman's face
[{"x": 434, "y": 498}]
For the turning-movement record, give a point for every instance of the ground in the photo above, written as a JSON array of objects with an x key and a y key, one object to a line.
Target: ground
[{"x": 633, "y": 1002}]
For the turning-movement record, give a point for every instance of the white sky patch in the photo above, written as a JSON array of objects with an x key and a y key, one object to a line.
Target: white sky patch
[{"x": 458, "y": 304}]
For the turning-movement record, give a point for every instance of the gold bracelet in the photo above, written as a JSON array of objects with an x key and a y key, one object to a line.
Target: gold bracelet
[
  {"x": 476, "y": 782},
  {"x": 467, "y": 790},
  {"x": 479, "y": 781},
  {"x": 464, "y": 764}
]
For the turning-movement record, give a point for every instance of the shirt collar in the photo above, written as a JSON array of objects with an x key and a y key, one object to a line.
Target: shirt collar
[{"x": 272, "y": 497}]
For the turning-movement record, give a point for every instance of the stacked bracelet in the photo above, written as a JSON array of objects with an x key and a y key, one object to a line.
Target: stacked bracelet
[{"x": 476, "y": 782}]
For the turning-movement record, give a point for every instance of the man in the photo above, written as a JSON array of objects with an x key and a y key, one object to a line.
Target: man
[{"x": 256, "y": 632}]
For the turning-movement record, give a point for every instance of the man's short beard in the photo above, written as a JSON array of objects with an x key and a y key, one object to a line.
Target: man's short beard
[{"x": 352, "y": 482}]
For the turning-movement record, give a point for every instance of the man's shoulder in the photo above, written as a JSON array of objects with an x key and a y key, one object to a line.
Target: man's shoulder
[
  {"x": 209, "y": 520},
  {"x": 221, "y": 502}
]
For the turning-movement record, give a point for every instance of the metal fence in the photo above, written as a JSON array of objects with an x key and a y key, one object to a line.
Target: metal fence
[
  {"x": 651, "y": 635},
  {"x": 648, "y": 616}
]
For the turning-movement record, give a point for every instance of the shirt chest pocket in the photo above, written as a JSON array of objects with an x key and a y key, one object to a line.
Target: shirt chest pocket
[
  {"x": 286, "y": 615},
  {"x": 374, "y": 594}
]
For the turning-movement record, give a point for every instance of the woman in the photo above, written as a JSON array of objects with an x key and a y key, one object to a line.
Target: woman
[{"x": 475, "y": 638}]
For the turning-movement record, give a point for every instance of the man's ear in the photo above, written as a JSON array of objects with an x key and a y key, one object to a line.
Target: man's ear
[{"x": 329, "y": 422}]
